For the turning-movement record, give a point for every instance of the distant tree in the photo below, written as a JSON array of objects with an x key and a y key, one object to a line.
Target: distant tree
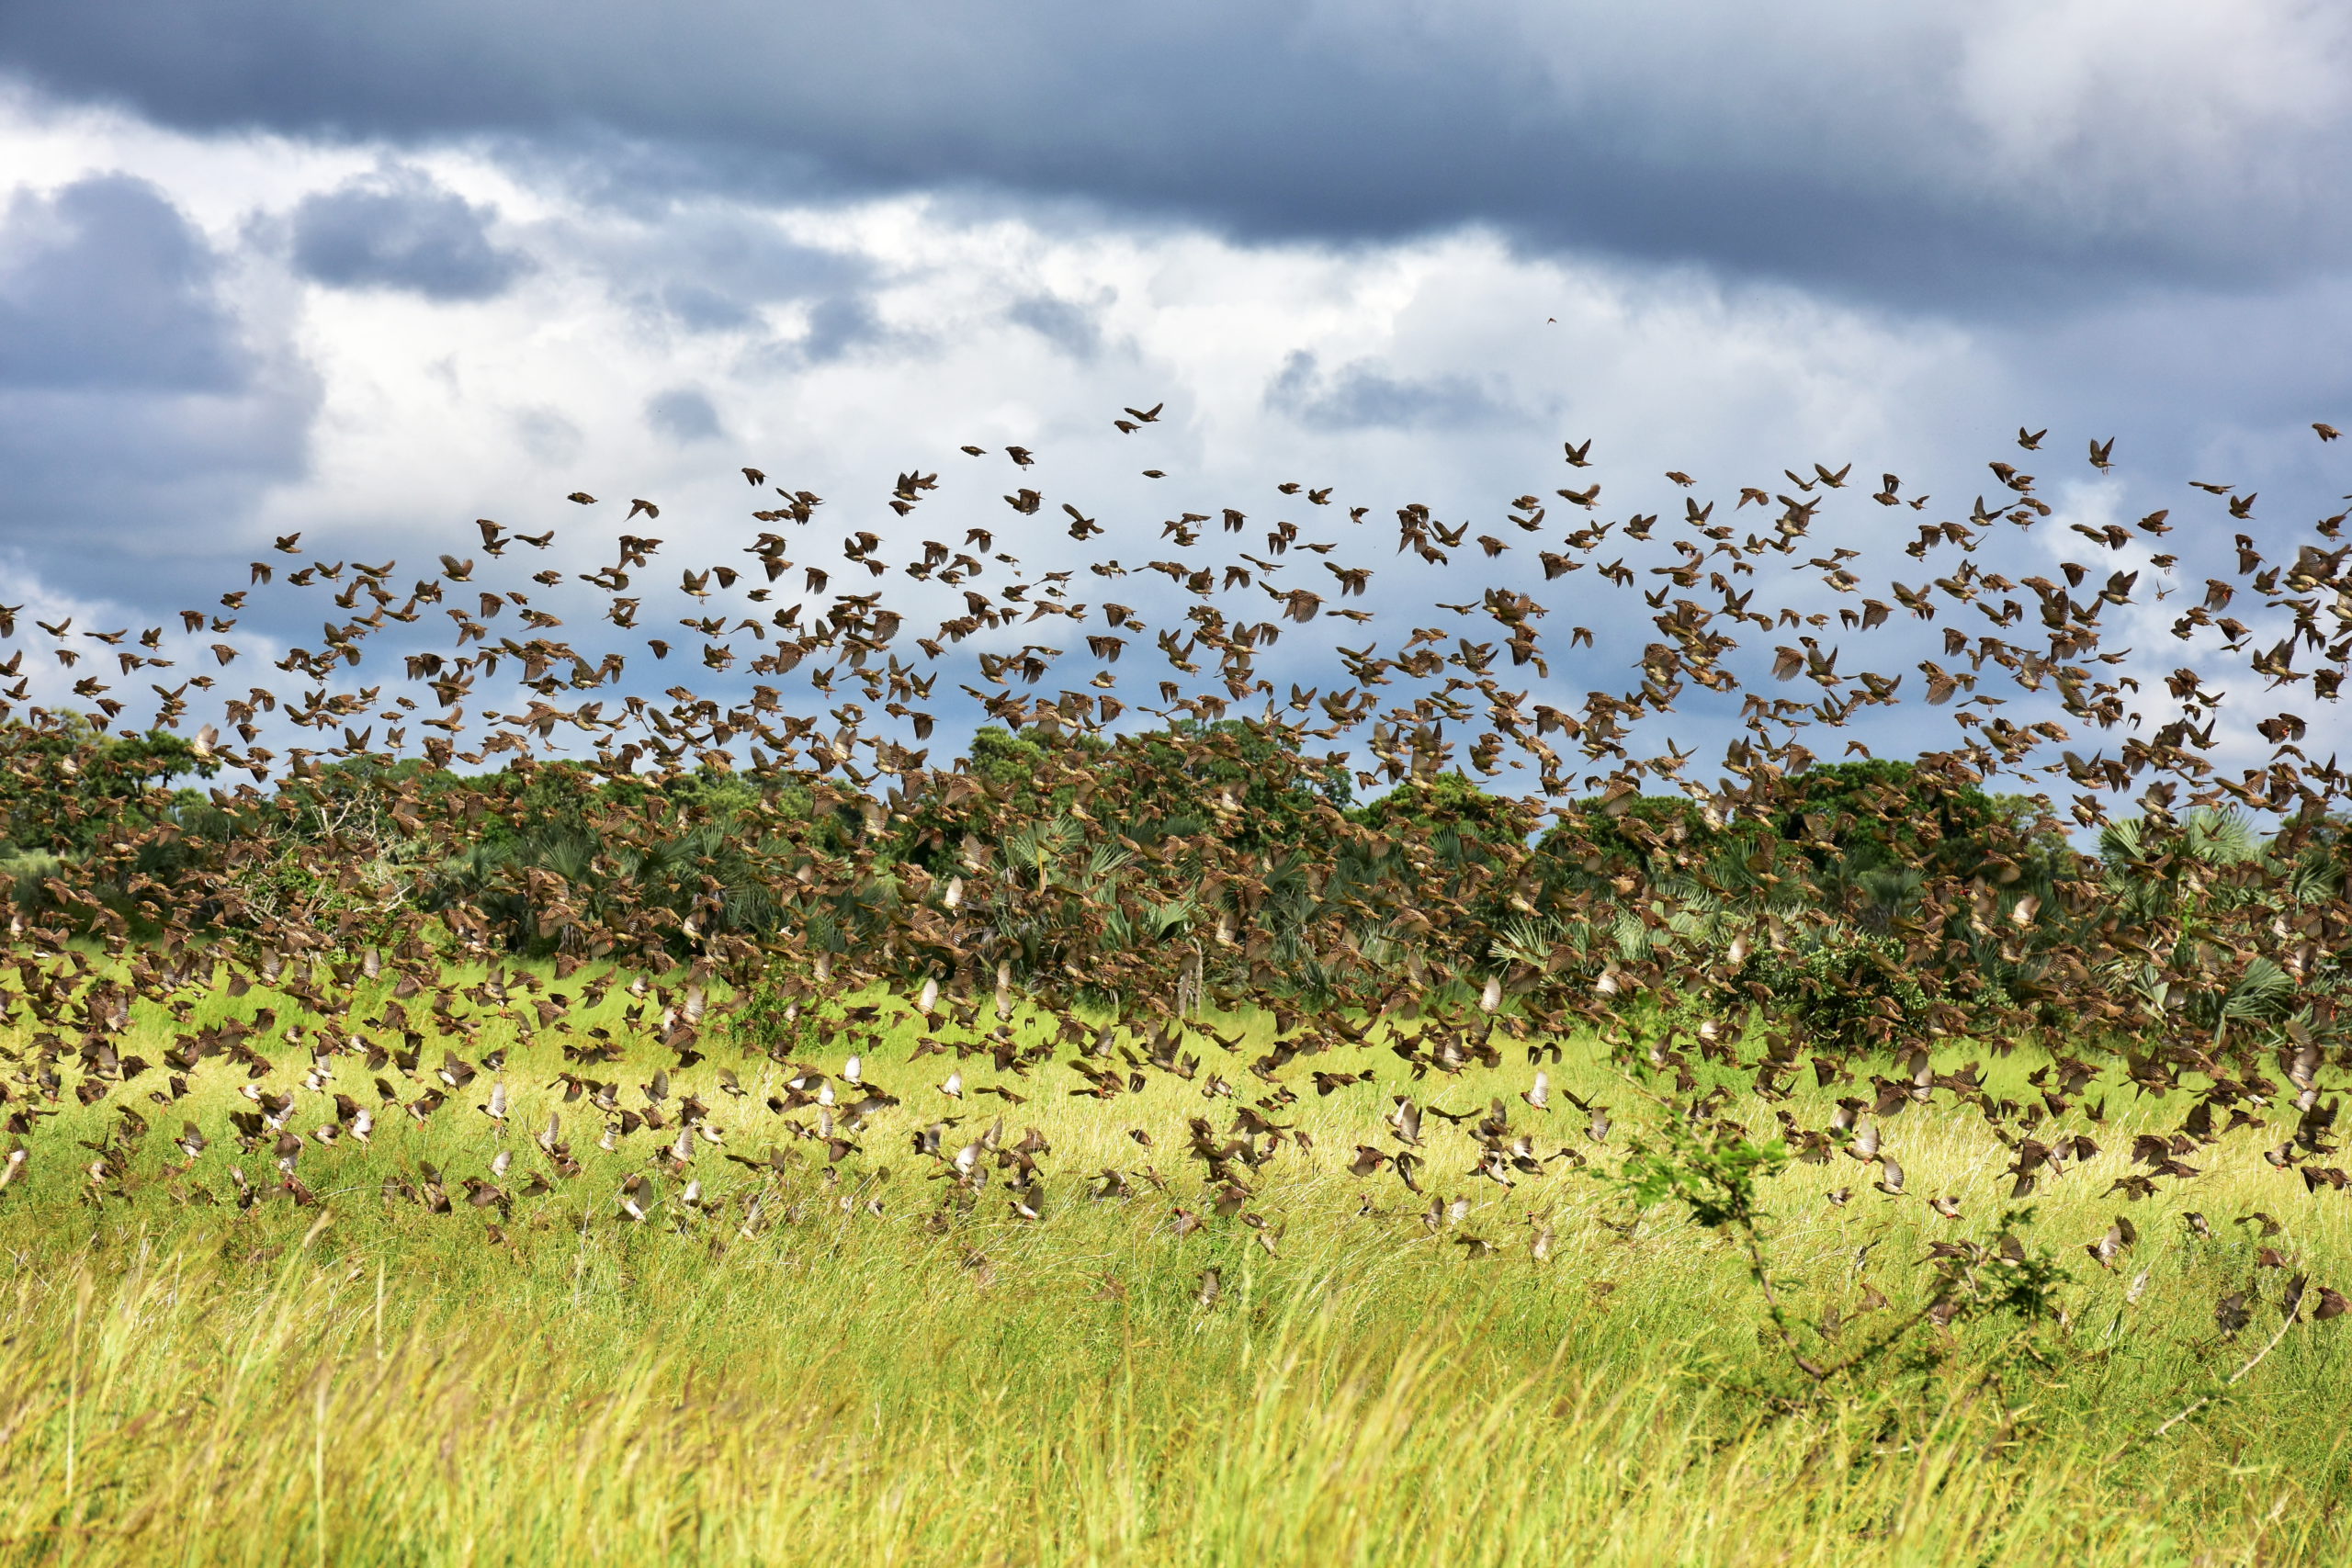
[
  {"x": 1858, "y": 816},
  {"x": 67, "y": 785},
  {"x": 1242, "y": 780},
  {"x": 1451, "y": 803}
]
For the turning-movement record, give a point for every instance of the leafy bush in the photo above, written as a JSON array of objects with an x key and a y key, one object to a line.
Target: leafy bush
[{"x": 1847, "y": 991}]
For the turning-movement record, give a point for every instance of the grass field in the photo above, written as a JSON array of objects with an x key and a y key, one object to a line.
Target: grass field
[{"x": 845, "y": 1379}]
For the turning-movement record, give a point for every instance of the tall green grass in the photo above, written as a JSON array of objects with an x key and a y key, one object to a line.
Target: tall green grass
[{"x": 364, "y": 1381}]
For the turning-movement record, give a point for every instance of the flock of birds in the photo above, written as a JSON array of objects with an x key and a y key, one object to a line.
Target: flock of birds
[{"x": 819, "y": 663}]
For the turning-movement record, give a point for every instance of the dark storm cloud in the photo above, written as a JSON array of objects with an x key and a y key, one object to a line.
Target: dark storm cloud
[
  {"x": 1986, "y": 156},
  {"x": 397, "y": 229},
  {"x": 104, "y": 286},
  {"x": 1360, "y": 394},
  {"x": 132, "y": 413},
  {"x": 96, "y": 483}
]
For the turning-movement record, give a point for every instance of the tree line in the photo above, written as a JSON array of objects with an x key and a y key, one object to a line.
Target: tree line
[{"x": 1852, "y": 905}]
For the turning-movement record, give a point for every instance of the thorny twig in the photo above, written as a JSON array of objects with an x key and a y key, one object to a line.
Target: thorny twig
[{"x": 2289, "y": 1307}]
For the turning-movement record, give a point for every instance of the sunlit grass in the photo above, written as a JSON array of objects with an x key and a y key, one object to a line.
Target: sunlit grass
[{"x": 364, "y": 1380}]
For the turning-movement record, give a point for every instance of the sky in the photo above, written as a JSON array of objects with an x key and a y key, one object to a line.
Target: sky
[{"x": 371, "y": 272}]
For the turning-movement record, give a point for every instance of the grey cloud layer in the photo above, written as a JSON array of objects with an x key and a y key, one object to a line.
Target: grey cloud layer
[
  {"x": 1971, "y": 153},
  {"x": 104, "y": 287},
  {"x": 1360, "y": 394},
  {"x": 684, "y": 415},
  {"x": 134, "y": 412},
  {"x": 398, "y": 230}
]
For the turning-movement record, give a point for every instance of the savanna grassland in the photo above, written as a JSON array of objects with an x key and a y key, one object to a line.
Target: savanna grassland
[
  {"x": 862, "y": 1368},
  {"x": 1341, "y": 1099}
]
